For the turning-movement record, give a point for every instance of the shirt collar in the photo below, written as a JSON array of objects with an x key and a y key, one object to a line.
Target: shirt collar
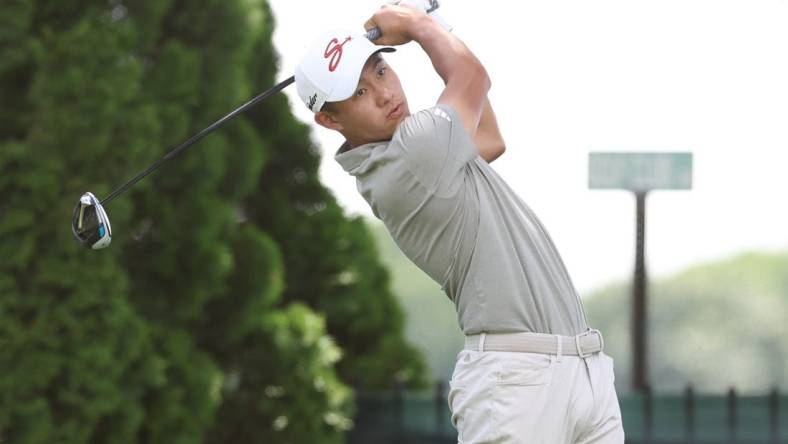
[{"x": 352, "y": 158}]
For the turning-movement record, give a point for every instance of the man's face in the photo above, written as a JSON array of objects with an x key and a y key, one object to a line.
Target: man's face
[{"x": 374, "y": 111}]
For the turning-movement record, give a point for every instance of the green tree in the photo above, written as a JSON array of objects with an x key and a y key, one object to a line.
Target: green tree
[
  {"x": 199, "y": 267},
  {"x": 199, "y": 323},
  {"x": 78, "y": 361},
  {"x": 714, "y": 325}
]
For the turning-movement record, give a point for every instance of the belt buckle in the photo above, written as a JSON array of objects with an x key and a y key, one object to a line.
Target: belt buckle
[{"x": 588, "y": 332}]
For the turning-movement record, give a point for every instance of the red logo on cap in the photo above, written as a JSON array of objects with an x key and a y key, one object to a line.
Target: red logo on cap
[{"x": 334, "y": 50}]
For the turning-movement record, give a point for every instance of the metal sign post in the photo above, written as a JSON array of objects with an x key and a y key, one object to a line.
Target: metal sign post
[{"x": 640, "y": 173}]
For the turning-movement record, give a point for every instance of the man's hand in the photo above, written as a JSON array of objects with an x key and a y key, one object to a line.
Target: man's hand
[{"x": 396, "y": 23}]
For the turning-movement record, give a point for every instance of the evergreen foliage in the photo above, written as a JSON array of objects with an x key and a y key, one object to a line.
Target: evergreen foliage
[
  {"x": 204, "y": 321},
  {"x": 714, "y": 325}
]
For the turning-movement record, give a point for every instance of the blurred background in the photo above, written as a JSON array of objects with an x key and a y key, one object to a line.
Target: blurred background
[{"x": 250, "y": 296}]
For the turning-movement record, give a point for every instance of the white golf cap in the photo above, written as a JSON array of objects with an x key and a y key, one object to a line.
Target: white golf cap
[{"x": 331, "y": 67}]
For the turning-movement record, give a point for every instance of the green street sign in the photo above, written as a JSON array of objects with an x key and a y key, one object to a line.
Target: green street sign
[{"x": 640, "y": 171}]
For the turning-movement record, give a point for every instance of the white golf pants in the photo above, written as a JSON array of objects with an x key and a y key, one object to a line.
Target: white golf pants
[{"x": 514, "y": 397}]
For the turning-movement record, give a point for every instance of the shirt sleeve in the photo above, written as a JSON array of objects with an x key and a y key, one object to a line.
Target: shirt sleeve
[{"x": 437, "y": 148}]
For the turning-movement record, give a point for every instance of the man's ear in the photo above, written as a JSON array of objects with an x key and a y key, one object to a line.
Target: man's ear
[{"x": 327, "y": 120}]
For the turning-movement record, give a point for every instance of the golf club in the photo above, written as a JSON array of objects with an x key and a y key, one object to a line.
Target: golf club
[{"x": 90, "y": 224}]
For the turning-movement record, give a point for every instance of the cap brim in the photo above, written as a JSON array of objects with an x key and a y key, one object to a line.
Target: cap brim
[{"x": 343, "y": 90}]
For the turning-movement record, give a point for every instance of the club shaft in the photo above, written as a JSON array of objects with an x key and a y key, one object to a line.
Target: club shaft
[{"x": 193, "y": 139}]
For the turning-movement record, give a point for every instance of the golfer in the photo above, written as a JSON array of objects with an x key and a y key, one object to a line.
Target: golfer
[{"x": 532, "y": 371}]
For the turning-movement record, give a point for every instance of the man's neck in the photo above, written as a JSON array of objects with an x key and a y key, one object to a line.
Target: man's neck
[
  {"x": 353, "y": 142},
  {"x": 345, "y": 147}
]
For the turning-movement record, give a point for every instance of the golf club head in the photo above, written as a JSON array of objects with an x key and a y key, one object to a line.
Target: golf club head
[{"x": 90, "y": 224}]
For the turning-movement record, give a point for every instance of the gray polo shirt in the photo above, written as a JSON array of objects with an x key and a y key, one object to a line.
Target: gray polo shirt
[{"x": 458, "y": 221}]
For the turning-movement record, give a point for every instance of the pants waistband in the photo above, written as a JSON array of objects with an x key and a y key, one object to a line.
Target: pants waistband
[{"x": 582, "y": 345}]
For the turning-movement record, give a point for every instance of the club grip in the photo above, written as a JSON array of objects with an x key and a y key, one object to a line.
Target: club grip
[
  {"x": 428, "y": 6},
  {"x": 373, "y": 34}
]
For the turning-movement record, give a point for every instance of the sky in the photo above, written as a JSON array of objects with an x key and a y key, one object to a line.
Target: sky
[{"x": 574, "y": 76}]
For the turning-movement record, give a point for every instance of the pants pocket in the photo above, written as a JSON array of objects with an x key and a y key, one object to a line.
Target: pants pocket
[
  {"x": 522, "y": 392},
  {"x": 470, "y": 412},
  {"x": 456, "y": 397},
  {"x": 469, "y": 393},
  {"x": 525, "y": 369}
]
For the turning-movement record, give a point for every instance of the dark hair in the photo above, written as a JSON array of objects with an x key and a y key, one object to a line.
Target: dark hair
[{"x": 328, "y": 107}]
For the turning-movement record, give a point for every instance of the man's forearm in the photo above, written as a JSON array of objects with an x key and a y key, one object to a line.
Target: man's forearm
[
  {"x": 450, "y": 57},
  {"x": 466, "y": 79}
]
